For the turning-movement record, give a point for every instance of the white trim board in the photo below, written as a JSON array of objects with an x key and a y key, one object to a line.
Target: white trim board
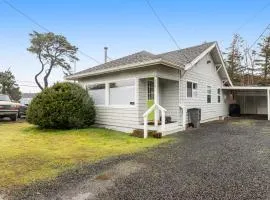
[
  {"x": 123, "y": 67},
  {"x": 245, "y": 88}
]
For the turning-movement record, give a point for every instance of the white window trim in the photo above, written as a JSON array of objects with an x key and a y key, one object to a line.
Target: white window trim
[
  {"x": 192, "y": 89},
  {"x": 107, "y": 92}
]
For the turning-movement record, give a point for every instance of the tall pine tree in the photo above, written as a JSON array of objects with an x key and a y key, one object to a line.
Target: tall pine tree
[
  {"x": 264, "y": 58},
  {"x": 234, "y": 59}
]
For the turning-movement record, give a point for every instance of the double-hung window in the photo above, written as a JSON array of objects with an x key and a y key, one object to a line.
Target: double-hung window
[
  {"x": 208, "y": 94},
  {"x": 218, "y": 95},
  {"x": 150, "y": 89},
  {"x": 122, "y": 92},
  {"x": 192, "y": 89}
]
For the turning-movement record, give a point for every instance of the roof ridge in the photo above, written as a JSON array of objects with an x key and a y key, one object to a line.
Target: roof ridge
[
  {"x": 196, "y": 46},
  {"x": 143, "y": 51}
]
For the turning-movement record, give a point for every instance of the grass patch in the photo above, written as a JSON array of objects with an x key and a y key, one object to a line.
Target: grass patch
[
  {"x": 243, "y": 122},
  {"x": 29, "y": 154}
]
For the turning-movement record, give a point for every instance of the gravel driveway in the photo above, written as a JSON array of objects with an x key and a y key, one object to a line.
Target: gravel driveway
[
  {"x": 221, "y": 160},
  {"x": 218, "y": 161}
]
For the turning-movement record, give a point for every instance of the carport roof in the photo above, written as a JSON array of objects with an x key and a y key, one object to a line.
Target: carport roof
[{"x": 247, "y": 88}]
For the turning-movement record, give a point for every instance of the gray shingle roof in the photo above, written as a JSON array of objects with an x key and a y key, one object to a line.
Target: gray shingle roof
[
  {"x": 185, "y": 56},
  {"x": 139, "y": 57},
  {"x": 178, "y": 57}
]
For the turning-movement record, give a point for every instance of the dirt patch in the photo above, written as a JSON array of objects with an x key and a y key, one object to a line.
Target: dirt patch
[
  {"x": 101, "y": 182},
  {"x": 104, "y": 177}
]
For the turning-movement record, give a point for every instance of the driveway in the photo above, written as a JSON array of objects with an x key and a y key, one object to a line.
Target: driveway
[{"x": 221, "y": 160}]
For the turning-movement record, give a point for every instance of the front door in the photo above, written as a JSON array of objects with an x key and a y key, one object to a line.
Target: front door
[{"x": 150, "y": 97}]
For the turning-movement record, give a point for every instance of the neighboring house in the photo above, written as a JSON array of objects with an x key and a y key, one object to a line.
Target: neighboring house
[
  {"x": 27, "y": 98},
  {"x": 166, "y": 89}
]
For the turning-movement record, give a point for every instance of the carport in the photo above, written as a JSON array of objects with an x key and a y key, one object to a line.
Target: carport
[{"x": 252, "y": 100}]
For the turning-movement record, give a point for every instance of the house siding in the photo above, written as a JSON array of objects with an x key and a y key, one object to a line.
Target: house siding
[
  {"x": 131, "y": 116},
  {"x": 204, "y": 75},
  {"x": 169, "y": 98},
  {"x": 113, "y": 116},
  {"x": 171, "y": 95}
]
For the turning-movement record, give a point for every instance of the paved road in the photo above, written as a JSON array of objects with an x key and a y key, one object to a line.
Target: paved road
[{"x": 221, "y": 160}]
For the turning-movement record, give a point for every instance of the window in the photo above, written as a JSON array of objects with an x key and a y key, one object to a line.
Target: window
[
  {"x": 122, "y": 92},
  {"x": 192, "y": 89},
  {"x": 218, "y": 95},
  {"x": 97, "y": 92},
  {"x": 150, "y": 90},
  {"x": 208, "y": 94},
  {"x": 4, "y": 97}
]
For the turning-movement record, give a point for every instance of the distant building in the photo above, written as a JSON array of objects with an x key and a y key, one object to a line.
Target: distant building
[{"x": 27, "y": 98}]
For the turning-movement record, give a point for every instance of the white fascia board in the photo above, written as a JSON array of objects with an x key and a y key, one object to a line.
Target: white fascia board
[
  {"x": 223, "y": 64},
  {"x": 245, "y": 88},
  {"x": 198, "y": 58},
  {"x": 124, "y": 67}
]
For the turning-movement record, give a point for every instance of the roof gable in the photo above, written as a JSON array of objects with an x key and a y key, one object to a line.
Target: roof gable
[{"x": 217, "y": 56}]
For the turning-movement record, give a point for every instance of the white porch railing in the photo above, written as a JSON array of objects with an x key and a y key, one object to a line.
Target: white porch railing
[
  {"x": 157, "y": 108},
  {"x": 184, "y": 115}
]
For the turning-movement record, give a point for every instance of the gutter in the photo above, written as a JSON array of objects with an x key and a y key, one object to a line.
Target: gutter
[{"x": 123, "y": 67}]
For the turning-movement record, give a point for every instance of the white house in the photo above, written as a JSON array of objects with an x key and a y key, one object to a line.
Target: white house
[{"x": 163, "y": 89}]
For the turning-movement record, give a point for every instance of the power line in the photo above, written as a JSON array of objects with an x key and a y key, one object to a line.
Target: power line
[
  {"x": 25, "y": 15},
  {"x": 86, "y": 55},
  {"x": 247, "y": 50},
  {"x": 261, "y": 35},
  {"x": 27, "y": 85},
  {"x": 25, "y": 81},
  {"x": 164, "y": 27},
  {"x": 253, "y": 17},
  {"x": 110, "y": 58},
  {"x": 42, "y": 27}
]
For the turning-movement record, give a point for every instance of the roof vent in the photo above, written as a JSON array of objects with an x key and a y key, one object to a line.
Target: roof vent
[{"x": 105, "y": 54}]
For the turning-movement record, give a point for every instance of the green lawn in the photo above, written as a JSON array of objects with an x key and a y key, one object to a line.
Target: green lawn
[{"x": 28, "y": 154}]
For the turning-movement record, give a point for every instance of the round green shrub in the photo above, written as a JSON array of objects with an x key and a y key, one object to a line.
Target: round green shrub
[{"x": 62, "y": 106}]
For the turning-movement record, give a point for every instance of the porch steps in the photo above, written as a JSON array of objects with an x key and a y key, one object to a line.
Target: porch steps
[{"x": 170, "y": 129}]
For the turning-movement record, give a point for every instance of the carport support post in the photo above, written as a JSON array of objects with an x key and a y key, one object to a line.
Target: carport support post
[{"x": 268, "y": 103}]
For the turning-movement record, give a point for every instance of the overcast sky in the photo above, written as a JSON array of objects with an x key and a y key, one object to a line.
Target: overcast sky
[{"x": 124, "y": 26}]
